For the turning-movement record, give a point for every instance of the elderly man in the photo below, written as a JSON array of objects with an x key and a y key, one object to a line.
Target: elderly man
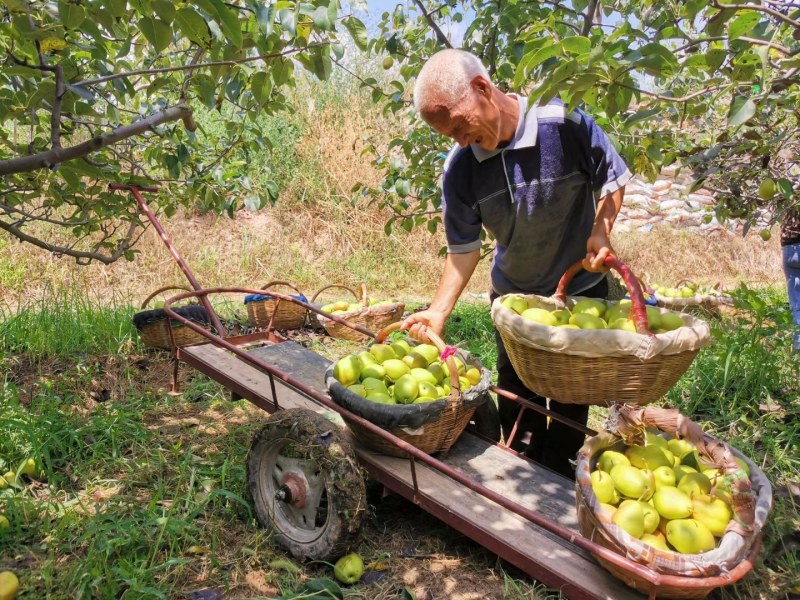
[{"x": 547, "y": 184}]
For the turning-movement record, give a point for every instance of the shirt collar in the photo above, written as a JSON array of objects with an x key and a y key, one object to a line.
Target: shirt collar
[{"x": 524, "y": 137}]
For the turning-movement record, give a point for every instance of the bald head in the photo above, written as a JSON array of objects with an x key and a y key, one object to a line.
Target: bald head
[{"x": 445, "y": 79}]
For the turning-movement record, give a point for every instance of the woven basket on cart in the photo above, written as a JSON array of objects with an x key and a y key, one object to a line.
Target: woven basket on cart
[
  {"x": 750, "y": 499},
  {"x": 430, "y": 426},
  {"x": 597, "y": 366},
  {"x": 374, "y": 317},
  {"x": 158, "y": 331},
  {"x": 264, "y": 310}
]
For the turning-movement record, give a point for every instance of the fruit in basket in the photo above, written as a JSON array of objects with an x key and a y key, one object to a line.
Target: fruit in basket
[
  {"x": 681, "y": 470},
  {"x": 653, "y": 317},
  {"x": 401, "y": 348},
  {"x": 618, "y": 310},
  {"x": 623, "y": 324},
  {"x": 603, "y": 487},
  {"x": 395, "y": 369},
  {"x": 367, "y": 358},
  {"x": 611, "y": 458},
  {"x": 562, "y": 316},
  {"x": 473, "y": 375},
  {"x": 376, "y": 371},
  {"x": 515, "y": 303},
  {"x": 422, "y": 399},
  {"x": 423, "y": 375},
  {"x": 540, "y": 315},
  {"x": 437, "y": 370},
  {"x": 671, "y": 321},
  {"x": 680, "y": 448},
  {"x": 647, "y": 457},
  {"x": 372, "y": 384},
  {"x": 632, "y": 482},
  {"x": 357, "y": 388},
  {"x": 347, "y": 370},
  {"x": 429, "y": 351},
  {"x": 630, "y": 517},
  {"x": 588, "y": 306},
  {"x": 415, "y": 360},
  {"x": 672, "y": 503},
  {"x": 695, "y": 484},
  {"x": 427, "y": 389},
  {"x": 651, "y": 517},
  {"x": 382, "y": 352},
  {"x": 689, "y": 536},
  {"x": 664, "y": 476},
  {"x": 406, "y": 389},
  {"x": 714, "y": 513},
  {"x": 464, "y": 383},
  {"x": 655, "y": 540},
  {"x": 587, "y": 321},
  {"x": 381, "y": 398}
]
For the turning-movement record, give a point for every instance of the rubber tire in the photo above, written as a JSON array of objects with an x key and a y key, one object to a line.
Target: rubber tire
[{"x": 323, "y": 443}]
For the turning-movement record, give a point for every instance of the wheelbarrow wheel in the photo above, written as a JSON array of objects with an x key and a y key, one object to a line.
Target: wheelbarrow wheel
[{"x": 305, "y": 484}]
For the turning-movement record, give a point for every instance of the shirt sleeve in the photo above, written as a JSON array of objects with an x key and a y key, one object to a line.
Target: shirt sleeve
[
  {"x": 462, "y": 223},
  {"x": 609, "y": 171}
]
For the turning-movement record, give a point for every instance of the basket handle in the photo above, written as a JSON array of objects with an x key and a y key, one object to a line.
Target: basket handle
[
  {"x": 164, "y": 289},
  {"x": 336, "y": 285},
  {"x": 445, "y": 352},
  {"x": 277, "y": 283},
  {"x": 638, "y": 306}
]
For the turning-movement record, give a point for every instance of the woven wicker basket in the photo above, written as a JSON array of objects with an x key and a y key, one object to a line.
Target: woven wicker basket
[
  {"x": 373, "y": 318},
  {"x": 580, "y": 379},
  {"x": 685, "y": 576},
  {"x": 161, "y": 334},
  {"x": 277, "y": 313},
  {"x": 437, "y": 435}
]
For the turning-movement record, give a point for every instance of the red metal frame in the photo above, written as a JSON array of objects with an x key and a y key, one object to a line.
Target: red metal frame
[{"x": 441, "y": 511}]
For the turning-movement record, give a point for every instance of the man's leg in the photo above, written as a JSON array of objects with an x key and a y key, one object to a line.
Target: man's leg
[{"x": 791, "y": 267}]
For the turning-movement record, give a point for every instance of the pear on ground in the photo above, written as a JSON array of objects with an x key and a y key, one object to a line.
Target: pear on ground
[
  {"x": 611, "y": 458},
  {"x": 711, "y": 512},
  {"x": 689, "y": 536},
  {"x": 672, "y": 503},
  {"x": 630, "y": 517}
]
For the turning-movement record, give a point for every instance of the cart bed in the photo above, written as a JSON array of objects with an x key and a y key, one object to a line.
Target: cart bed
[{"x": 551, "y": 560}]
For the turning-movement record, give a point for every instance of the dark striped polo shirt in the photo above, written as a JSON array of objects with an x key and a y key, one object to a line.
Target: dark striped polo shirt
[{"x": 537, "y": 197}]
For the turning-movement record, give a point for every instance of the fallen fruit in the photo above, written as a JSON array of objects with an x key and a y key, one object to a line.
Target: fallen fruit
[
  {"x": 9, "y": 585},
  {"x": 349, "y": 568}
]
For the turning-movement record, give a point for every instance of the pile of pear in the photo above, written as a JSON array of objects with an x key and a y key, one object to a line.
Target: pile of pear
[
  {"x": 401, "y": 373},
  {"x": 588, "y": 313},
  {"x": 343, "y": 306},
  {"x": 662, "y": 494},
  {"x": 688, "y": 289}
]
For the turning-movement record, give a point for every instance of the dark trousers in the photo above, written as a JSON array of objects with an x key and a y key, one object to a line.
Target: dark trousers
[{"x": 554, "y": 445}]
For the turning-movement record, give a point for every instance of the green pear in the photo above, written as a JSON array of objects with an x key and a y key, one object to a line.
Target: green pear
[
  {"x": 664, "y": 476},
  {"x": 631, "y": 482},
  {"x": 589, "y": 306},
  {"x": 380, "y": 398},
  {"x": 656, "y": 541},
  {"x": 562, "y": 316},
  {"x": 587, "y": 321},
  {"x": 540, "y": 315},
  {"x": 357, "y": 388},
  {"x": 689, "y": 536},
  {"x": 603, "y": 486},
  {"x": 370, "y": 384},
  {"x": 672, "y": 503},
  {"x": 415, "y": 360},
  {"x": 623, "y": 324},
  {"x": 401, "y": 348},
  {"x": 515, "y": 303},
  {"x": 429, "y": 351},
  {"x": 423, "y": 375},
  {"x": 349, "y": 569},
  {"x": 427, "y": 389},
  {"x": 647, "y": 457},
  {"x": 367, "y": 358},
  {"x": 437, "y": 370},
  {"x": 610, "y": 458},
  {"x": 382, "y": 352},
  {"x": 395, "y": 368},
  {"x": 680, "y": 471},
  {"x": 375, "y": 371},
  {"x": 680, "y": 448},
  {"x": 406, "y": 389},
  {"x": 694, "y": 484},
  {"x": 653, "y": 317},
  {"x": 347, "y": 370},
  {"x": 711, "y": 512},
  {"x": 652, "y": 438},
  {"x": 630, "y": 517},
  {"x": 671, "y": 321},
  {"x": 651, "y": 516}
]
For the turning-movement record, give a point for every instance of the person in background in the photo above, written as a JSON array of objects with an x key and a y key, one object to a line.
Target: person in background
[
  {"x": 548, "y": 185},
  {"x": 790, "y": 242}
]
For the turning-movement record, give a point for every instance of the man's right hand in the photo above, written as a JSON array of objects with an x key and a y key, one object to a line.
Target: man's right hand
[{"x": 420, "y": 323}]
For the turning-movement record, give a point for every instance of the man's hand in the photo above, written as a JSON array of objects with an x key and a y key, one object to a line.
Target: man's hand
[
  {"x": 419, "y": 323},
  {"x": 598, "y": 247}
]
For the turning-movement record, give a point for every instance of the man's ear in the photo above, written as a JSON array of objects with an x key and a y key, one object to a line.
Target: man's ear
[{"x": 481, "y": 86}]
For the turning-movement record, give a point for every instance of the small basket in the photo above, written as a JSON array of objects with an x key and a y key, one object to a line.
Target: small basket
[
  {"x": 698, "y": 303},
  {"x": 159, "y": 332},
  {"x": 579, "y": 367},
  {"x": 686, "y": 576},
  {"x": 373, "y": 318},
  {"x": 263, "y": 311},
  {"x": 432, "y": 426}
]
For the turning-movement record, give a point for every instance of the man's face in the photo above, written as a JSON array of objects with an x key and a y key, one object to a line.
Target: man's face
[{"x": 474, "y": 119}]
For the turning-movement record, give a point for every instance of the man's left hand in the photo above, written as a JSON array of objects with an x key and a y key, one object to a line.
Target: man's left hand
[{"x": 598, "y": 247}]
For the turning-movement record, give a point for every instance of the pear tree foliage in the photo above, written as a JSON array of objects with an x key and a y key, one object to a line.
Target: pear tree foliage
[
  {"x": 100, "y": 91},
  {"x": 705, "y": 85}
]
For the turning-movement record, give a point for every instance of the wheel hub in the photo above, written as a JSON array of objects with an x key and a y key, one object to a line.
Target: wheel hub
[{"x": 293, "y": 489}]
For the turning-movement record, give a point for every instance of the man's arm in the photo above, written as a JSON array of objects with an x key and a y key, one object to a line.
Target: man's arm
[
  {"x": 458, "y": 268},
  {"x": 598, "y": 246}
]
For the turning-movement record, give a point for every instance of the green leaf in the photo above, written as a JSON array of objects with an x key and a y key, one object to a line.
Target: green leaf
[
  {"x": 164, "y": 9},
  {"x": 158, "y": 33},
  {"x": 715, "y": 57},
  {"x": 320, "y": 18},
  {"x": 576, "y": 44},
  {"x": 785, "y": 188},
  {"x": 402, "y": 187},
  {"x": 533, "y": 59},
  {"x": 71, "y": 15},
  {"x": 641, "y": 116},
  {"x": 742, "y": 112},
  {"x": 288, "y": 20},
  {"x": 265, "y": 13},
  {"x": 193, "y": 26},
  {"x": 742, "y": 24},
  {"x": 253, "y": 202},
  {"x": 358, "y": 32},
  {"x": 227, "y": 18},
  {"x": 261, "y": 87}
]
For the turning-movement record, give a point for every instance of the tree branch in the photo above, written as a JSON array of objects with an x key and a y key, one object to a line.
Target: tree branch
[
  {"x": 221, "y": 63},
  {"x": 760, "y": 8},
  {"x": 756, "y": 41},
  {"x": 439, "y": 35},
  {"x": 588, "y": 19},
  {"x": 55, "y": 156},
  {"x": 80, "y": 255},
  {"x": 712, "y": 88}
]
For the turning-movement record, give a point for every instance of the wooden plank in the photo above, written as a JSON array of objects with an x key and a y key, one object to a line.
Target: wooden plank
[{"x": 558, "y": 562}]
